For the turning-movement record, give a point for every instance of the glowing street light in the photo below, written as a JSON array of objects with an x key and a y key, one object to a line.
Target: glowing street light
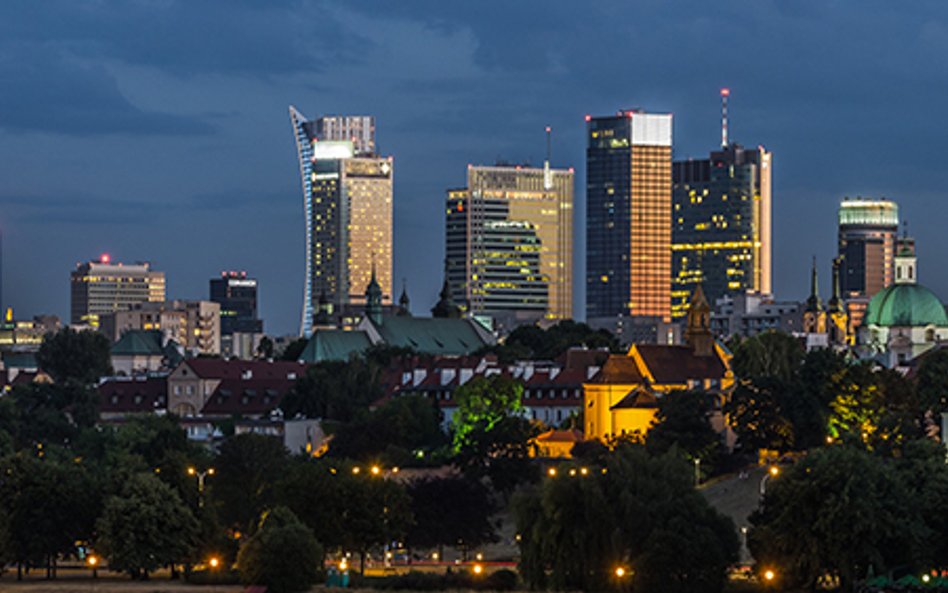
[
  {"x": 478, "y": 569},
  {"x": 772, "y": 472},
  {"x": 551, "y": 472},
  {"x": 201, "y": 475},
  {"x": 376, "y": 470},
  {"x": 93, "y": 562},
  {"x": 619, "y": 572},
  {"x": 769, "y": 575}
]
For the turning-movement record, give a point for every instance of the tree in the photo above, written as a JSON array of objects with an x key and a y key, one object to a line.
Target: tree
[
  {"x": 875, "y": 407},
  {"x": 450, "y": 511},
  {"x": 683, "y": 422},
  {"x": 840, "y": 513},
  {"x": 247, "y": 470},
  {"x": 637, "y": 512},
  {"x": 49, "y": 505},
  {"x": 283, "y": 555},
  {"x": 294, "y": 349},
  {"x": 265, "y": 348},
  {"x": 145, "y": 527},
  {"x": 932, "y": 381},
  {"x": 334, "y": 390},
  {"x": 81, "y": 356},
  {"x": 533, "y": 342},
  {"x": 501, "y": 453},
  {"x": 392, "y": 432},
  {"x": 482, "y": 403},
  {"x": 770, "y": 354},
  {"x": 307, "y": 480},
  {"x": 757, "y": 415},
  {"x": 375, "y": 511},
  {"x": 50, "y": 414}
]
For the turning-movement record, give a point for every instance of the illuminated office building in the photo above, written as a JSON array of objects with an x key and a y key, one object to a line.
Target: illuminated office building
[
  {"x": 721, "y": 225},
  {"x": 628, "y": 217},
  {"x": 509, "y": 242},
  {"x": 237, "y": 296},
  {"x": 868, "y": 231},
  {"x": 347, "y": 198},
  {"x": 105, "y": 287}
]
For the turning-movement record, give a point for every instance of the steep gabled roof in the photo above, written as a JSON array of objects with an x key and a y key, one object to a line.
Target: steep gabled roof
[
  {"x": 219, "y": 368},
  {"x": 130, "y": 395},
  {"x": 679, "y": 364},
  {"x": 246, "y": 397},
  {"x": 640, "y": 397},
  {"x": 620, "y": 369}
]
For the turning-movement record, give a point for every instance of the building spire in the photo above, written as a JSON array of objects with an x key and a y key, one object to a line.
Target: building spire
[
  {"x": 813, "y": 303},
  {"x": 725, "y": 93},
  {"x": 547, "y": 174},
  {"x": 834, "y": 305}
]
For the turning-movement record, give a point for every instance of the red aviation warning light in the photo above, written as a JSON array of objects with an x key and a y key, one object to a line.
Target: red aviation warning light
[{"x": 105, "y": 258}]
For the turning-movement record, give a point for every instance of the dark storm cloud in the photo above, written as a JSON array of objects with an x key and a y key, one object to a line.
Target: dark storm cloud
[{"x": 46, "y": 91}]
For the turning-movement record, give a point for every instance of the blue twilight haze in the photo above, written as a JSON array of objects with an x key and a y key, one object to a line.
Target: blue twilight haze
[{"x": 158, "y": 129}]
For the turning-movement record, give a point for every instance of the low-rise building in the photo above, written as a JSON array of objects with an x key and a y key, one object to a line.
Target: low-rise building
[{"x": 195, "y": 325}]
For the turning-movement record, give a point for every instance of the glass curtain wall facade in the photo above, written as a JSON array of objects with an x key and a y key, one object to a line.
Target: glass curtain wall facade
[
  {"x": 628, "y": 216},
  {"x": 347, "y": 198},
  {"x": 867, "y": 235},
  {"x": 721, "y": 235},
  {"x": 509, "y": 241}
]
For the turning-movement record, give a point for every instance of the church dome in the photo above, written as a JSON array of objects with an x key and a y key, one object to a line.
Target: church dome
[{"x": 906, "y": 305}]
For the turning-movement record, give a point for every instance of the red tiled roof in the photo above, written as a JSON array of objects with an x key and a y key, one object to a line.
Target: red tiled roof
[
  {"x": 219, "y": 368},
  {"x": 618, "y": 368},
  {"x": 132, "y": 395},
  {"x": 246, "y": 397},
  {"x": 581, "y": 358},
  {"x": 679, "y": 364},
  {"x": 561, "y": 436}
]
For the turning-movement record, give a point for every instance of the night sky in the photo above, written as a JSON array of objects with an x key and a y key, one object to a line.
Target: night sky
[{"x": 158, "y": 130}]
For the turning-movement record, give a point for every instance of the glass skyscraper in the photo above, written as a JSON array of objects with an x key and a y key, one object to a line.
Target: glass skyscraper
[
  {"x": 721, "y": 235},
  {"x": 347, "y": 198},
  {"x": 509, "y": 239},
  {"x": 628, "y": 216}
]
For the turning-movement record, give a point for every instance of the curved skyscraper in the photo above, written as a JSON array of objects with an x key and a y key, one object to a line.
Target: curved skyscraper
[{"x": 347, "y": 199}]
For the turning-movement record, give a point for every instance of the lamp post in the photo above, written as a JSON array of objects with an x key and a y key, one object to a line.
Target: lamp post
[
  {"x": 201, "y": 475},
  {"x": 772, "y": 472},
  {"x": 697, "y": 471}
]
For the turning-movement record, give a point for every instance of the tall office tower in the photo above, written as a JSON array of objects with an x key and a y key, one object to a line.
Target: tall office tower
[
  {"x": 347, "y": 197},
  {"x": 237, "y": 296},
  {"x": 509, "y": 242},
  {"x": 721, "y": 222},
  {"x": 868, "y": 232},
  {"x": 628, "y": 217},
  {"x": 100, "y": 287}
]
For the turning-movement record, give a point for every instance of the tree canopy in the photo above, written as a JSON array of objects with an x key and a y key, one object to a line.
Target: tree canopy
[
  {"x": 282, "y": 555},
  {"x": 81, "y": 356}
]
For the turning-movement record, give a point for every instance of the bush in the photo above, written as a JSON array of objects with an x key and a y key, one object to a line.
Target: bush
[
  {"x": 283, "y": 555},
  {"x": 502, "y": 580}
]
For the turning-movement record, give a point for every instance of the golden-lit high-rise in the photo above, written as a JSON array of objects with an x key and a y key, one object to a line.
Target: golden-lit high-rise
[
  {"x": 628, "y": 217},
  {"x": 509, "y": 242},
  {"x": 347, "y": 199}
]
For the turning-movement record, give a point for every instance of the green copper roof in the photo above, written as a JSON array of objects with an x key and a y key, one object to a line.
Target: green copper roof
[
  {"x": 334, "y": 344},
  {"x": 451, "y": 337},
  {"x": 139, "y": 342},
  {"x": 906, "y": 305}
]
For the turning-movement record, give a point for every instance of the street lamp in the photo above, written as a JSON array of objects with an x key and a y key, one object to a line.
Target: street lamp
[
  {"x": 201, "y": 475},
  {"x": 214, "y": 562},
  {"x": 478, "y": 569},
  {"x": 93, "y": 562},
  {"x": 769, "y": 576},
  {"x": 697, "y": 471},
  {"x": 772, "y": 472}
]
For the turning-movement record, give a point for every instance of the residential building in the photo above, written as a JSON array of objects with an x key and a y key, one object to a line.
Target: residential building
[
  {"x": 347, "y": 197},
  {"x": 721, "y": 227},
  {"x": 145, "y": 351},
  {"x": 749, "y": 314},
  {"x": 628, "y": 217},
  {"x": 509, "y": 242},
  {"x": 195, "y": 325},
  {"x": 218, "y": 388},
  {"x": 101, "y": 287}
]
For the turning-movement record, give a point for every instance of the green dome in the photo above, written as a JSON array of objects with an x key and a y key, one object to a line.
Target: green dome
[{"x": 906, "y": 305}]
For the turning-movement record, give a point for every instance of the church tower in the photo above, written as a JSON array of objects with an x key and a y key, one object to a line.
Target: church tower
[
  {"x": 837, "y": 318},
  {"x": 814, "y": 317},
  {"x": 373, "y": 300},
  {"x": 698, "y": 331}
]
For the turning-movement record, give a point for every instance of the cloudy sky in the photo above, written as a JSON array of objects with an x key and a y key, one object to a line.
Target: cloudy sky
[{"x": 158, "y": 130}]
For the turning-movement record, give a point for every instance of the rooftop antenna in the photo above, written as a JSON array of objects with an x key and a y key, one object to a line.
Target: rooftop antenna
[
  {"x": 725, "y": 93},
  {"x": 547, "y": 174}
]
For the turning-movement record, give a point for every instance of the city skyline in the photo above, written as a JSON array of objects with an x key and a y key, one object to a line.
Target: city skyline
[{"x": 213, "y": 196}]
